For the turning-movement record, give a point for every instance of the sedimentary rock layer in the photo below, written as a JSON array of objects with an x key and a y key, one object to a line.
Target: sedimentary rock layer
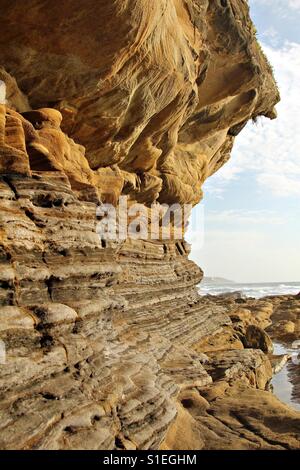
[
  {"x": 97, "y": 338},
  {"x": 107, "y": 346}
]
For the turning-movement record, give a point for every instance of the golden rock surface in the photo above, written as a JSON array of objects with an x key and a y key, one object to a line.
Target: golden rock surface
[{"x": 157, "y": 88}]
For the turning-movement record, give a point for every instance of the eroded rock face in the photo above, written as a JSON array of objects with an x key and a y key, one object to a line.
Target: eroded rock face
[
  {"x": 159, "y": 89},
  {"x": 108, "y": 344},
  {"x": 96, "y": 337}
]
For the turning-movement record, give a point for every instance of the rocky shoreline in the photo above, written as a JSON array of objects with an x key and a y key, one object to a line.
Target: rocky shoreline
[
  {"x": 113, "y": 348},
  {"x": 238, "y": 410}
]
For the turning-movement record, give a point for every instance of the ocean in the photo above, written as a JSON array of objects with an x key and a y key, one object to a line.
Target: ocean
[{"x": 256, "y": 290}]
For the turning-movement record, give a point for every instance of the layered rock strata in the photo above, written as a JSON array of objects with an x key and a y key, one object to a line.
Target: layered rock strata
[
  {"x": 108, "y": 344},
  {"x": 112, "y": 347},
  {"x": 155, "y": 91}
]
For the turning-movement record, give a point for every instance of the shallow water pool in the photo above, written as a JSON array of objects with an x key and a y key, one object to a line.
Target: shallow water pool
[{"x": 285, "y": 382}]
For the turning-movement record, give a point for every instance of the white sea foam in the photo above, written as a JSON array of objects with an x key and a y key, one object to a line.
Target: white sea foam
[{"x": 251, "y": 290}]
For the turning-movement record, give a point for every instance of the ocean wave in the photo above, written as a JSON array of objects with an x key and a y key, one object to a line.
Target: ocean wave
[
  {"x": 249, "y": 290},
  {"x": 287, "y": 286}
]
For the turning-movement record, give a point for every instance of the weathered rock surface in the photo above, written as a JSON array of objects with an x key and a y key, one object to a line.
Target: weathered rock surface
[
  {"x": 108, "y": 344},
  {"x": 98, "y": 339},
  {"x": 285, "y": 318},
  {"x": 104, "y": 344},
  {"x": 280, "y": 316},
  {"x": 226, "y": 417},
  {"x": 161, "y": 106}
]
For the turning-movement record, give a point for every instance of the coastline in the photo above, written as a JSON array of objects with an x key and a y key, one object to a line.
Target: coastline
[
  {"x": 251, "y": 289},
  {"x": 242, "y": 410}
]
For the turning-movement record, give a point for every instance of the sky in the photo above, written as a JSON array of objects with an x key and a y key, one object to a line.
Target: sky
[{"x": 251, "y": 206}]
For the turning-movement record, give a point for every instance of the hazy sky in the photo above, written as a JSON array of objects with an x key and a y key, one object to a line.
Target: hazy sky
[{"x": 252, "y": 205}]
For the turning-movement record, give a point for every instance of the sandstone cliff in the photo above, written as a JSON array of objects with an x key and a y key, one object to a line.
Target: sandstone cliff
[
  {"x": 107, "y": 342},
  {"x": 153, "y": 91}
]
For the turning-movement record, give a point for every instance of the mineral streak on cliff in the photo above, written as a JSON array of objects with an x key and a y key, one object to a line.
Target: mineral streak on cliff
[{"x": 105, "y": 341}]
